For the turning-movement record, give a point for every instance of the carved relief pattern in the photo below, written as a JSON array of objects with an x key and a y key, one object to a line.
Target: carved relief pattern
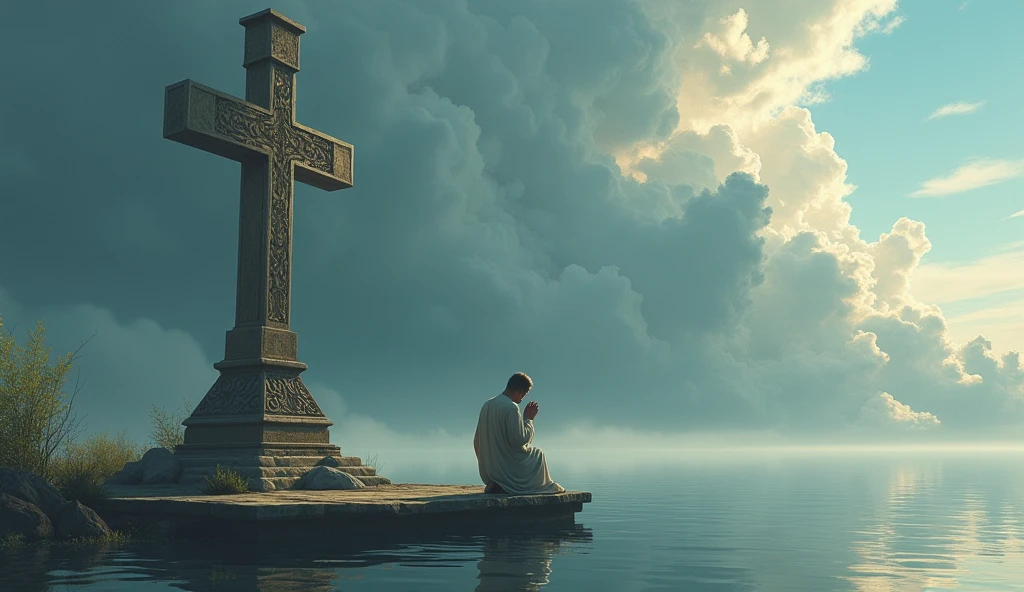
[
  {"x": 285, "y": 46},
  {"x": 232, "y": 394},
  {"x": 277, "y": 135},
  {"x": 313, "y": 151},
  {"x": 279, "y": 280},
  {"x": 244, "y": 124},
  {"x": 290, "y": 144},
  {"x": 287, "y": 395}
]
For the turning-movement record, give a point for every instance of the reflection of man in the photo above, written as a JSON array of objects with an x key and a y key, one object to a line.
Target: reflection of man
[
  {"x": 507, "y": 462},
  {"x": 515, "y": 564}
]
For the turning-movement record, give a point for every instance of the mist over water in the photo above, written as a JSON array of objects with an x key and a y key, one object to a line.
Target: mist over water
[{"x": 881, "y": 520}]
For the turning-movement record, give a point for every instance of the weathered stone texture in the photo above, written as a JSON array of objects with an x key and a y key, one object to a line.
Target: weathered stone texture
[
  {"x": 130, "y": 474},
  {"x": 32, "y": 489},
  {"x": 74, "y": 520},
  {"x": 322, "y": 478},
  {"x": 159, "y": 466},
  {"x": 21, "y": 518}
]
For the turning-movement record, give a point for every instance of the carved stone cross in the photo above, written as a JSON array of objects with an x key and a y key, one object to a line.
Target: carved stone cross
[{"x": 259, "y": 397}]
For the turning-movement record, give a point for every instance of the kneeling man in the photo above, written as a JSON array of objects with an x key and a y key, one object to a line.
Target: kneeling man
[{"x": 508, "y": 464}]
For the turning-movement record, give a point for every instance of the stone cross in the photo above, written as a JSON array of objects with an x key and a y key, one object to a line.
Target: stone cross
[{"x": 259, "y": 397}]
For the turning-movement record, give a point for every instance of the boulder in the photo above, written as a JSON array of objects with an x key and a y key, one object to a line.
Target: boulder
[
  {"x": 329, "y": 461},
  {"x": 328, "y": 478},
  {"x": 32, "y": 489},
  {"x": 18, "y": 517},
  {"x": 159, "y": 466},
  {"x": 74, "y": 521},
  {"x": 130, "y": 474}
]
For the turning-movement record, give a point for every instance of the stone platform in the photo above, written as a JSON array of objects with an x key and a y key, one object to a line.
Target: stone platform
[
  {"x": 386, "y": 511},
  {"x": 269, "y": 468}
]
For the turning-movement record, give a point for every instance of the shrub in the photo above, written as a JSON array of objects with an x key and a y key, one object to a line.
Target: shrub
[
  {"x": 167, "y": 430},
  {"x": 36, "y": 415},
  {"x": 226, "y": 482},
  {"x": 10, "y": 542},
  {"x": 371, "y": 461},
  {"x": 82, "y": 467}
]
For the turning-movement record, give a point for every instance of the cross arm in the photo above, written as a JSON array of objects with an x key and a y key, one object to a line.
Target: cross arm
[
  {"x": 216, "y": 122},
  {"x": 323, "y": 162}
]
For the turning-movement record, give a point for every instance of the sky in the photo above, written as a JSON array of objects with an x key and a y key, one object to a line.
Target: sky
[{"x": 689, "y": 221}]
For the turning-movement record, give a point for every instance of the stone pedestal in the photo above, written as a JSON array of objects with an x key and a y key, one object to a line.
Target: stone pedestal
[{"x": 259, "y": 419}]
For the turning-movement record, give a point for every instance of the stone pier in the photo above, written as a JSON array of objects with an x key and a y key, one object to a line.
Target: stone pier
[{"x": 401, "y": 512}]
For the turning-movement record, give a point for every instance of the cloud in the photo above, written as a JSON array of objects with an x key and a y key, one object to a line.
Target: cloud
[
  {"x": 125, "y": 367},
  {"x": 952, "y": 282},
  {"x": 957, "y": 108},
  {"x": 886, "y": 413},
  {"x": 973, "y": 175},
  {"x": 717, "y": 285},
  {"x": 1002, "y": 324},
  {"x": 732, "y": 41},
  {"x": 814, "y": 43}
]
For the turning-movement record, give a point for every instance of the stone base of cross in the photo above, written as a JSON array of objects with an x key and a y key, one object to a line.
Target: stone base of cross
[{"x": 259, "y": 417}]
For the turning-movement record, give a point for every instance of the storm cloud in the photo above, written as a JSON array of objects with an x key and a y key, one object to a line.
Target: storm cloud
[{"x": 583, "y": 190}]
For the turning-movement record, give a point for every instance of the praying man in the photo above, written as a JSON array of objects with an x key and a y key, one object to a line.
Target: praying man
[{"x": 508, "y": 464}]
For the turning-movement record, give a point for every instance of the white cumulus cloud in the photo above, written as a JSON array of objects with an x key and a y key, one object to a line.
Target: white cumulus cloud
[
  {"x": 884, "y": 411},
  {"x": 731, "y": 41}
]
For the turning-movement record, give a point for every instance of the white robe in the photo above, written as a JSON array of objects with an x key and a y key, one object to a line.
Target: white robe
[{"x": 503, "y": 450}]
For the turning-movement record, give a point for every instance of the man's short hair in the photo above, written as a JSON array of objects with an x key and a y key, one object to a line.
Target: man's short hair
[{"x": 519, "y": 382}]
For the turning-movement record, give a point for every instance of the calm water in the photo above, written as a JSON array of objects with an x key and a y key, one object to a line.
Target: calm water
[{"x": 871, "y": 523}]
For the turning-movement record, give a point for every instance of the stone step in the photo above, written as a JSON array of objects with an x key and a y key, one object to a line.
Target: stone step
[
  {"x": 261, "y": 461},
  {"x": 305, "y": 461},
  {"x": 198, "y": 473}
]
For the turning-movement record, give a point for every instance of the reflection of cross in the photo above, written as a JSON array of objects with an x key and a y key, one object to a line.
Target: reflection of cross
[
  {"x": 261, "y": 133},
  {"x": 259, "y": 397}
]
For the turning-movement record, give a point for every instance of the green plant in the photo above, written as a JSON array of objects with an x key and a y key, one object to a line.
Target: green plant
[
  {"x": 371, "y": 461},
  {"x": 114, "y": 538},
  {"x": 85, "y": 488},
  {"x": 9, "y": 542},
  {"x": 166, "y": 428},
  {"x": 36, "y": 415},
  {"x": 226, "y": 482},
  {"x": 82, "y": 467},
  {"x": 100, "y": 455}
]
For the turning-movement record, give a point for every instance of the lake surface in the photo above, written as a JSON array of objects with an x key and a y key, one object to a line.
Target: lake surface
[{"x": 867, "y": 522}]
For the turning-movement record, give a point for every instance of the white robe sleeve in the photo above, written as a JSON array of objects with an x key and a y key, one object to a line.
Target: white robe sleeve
[{"x": 520, "y": 431}]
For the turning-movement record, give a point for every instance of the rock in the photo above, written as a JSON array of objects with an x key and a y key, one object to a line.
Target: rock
[
  {"x": 32, "y": 489},
  {"x": 329, "y": 461},
  {"x": 74, "y": 521},
  {"x": 19, "y": 517},
  {"x": 159, "y": 466},
  {"x": 328, "y": 478},
  {"x": 130, "y": 474}
]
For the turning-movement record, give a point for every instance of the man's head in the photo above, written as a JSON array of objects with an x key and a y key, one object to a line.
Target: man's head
[{"x": 518, "y": 385}]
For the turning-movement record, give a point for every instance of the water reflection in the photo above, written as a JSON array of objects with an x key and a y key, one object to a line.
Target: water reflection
[
  {"x": 929, "y": 534},
  {"x": 512, "y": 562},
  {"x": 863, "y": 524},
  {"x": 523, "y": 562}
]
